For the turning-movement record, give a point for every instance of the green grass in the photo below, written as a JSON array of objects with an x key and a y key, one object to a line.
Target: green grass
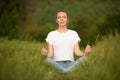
[{"x": 22, "y": 60}]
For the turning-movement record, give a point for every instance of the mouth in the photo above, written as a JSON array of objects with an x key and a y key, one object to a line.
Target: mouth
[{"x": 62, "y": 22}]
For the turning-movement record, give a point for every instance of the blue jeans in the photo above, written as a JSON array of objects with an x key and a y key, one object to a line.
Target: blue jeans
[{"x": 65, "y": 66}]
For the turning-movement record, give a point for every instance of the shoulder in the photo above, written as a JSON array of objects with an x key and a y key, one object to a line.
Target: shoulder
[
  {"x": 72, "y": 31},
  {"x": 52, "y": 32}
]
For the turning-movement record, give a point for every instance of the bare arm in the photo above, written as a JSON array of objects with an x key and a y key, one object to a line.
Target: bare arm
[
  {"x": 50, "y": 50},
  {"x": 77, "y": 50}
]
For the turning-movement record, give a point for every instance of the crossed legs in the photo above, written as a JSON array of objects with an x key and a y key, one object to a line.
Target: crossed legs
[{"x": 60, "y": 67}]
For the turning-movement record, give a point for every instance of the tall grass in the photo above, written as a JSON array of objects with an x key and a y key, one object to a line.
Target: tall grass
[{"x": 22, "y": 60}]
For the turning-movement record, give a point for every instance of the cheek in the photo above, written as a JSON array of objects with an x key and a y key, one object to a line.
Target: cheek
[
  {"x": 66, "y": 20},
  {"x": 57, "y": 21}
]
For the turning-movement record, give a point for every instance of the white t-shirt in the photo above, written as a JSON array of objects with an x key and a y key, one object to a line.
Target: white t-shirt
[{"x": 63, "y": 44}]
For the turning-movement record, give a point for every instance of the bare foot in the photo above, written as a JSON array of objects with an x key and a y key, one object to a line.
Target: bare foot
[{"x": 44, "y": 52}]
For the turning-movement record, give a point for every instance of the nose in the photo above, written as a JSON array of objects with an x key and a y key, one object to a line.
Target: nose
[{"x": 61, "y": 19}]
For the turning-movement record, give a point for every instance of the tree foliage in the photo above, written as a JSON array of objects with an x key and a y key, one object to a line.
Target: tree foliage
[
  {"x": 32, "y": 20},
  {"x": 8, "y": 18},
  {"x": 111, "y": 24}
]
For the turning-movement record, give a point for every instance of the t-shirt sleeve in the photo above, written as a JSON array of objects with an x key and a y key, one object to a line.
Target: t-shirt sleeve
[
  {"x": 49, "y": 38},
  {"x": 76, "y": 38}
]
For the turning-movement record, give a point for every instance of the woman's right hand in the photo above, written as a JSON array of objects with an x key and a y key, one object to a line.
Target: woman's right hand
[{"x": 44, "y": 52}]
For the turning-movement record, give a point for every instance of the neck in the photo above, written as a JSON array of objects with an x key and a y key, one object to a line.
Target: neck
[{"x": 62, "y": 29}]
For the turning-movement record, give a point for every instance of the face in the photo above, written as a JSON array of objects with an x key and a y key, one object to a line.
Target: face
[{"x": 62, "y": 19}]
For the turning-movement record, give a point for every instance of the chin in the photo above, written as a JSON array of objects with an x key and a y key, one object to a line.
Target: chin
[{"x": 63, "y": 25}]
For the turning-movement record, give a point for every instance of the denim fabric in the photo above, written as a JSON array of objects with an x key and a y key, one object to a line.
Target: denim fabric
[{"x": 65, "y": 66}]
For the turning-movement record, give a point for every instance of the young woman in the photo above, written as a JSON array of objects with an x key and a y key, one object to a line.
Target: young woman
[{"x": 62, "y": 44}]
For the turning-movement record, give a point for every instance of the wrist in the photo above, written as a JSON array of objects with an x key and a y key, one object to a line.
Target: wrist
[
  {"x": 86, "y": 53},
  {"x": 81, "y": 54}
]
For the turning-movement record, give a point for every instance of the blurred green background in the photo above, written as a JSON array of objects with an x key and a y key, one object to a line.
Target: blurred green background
[{"x": 33, "y": 19}]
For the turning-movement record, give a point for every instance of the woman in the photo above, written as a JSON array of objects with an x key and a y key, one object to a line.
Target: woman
[{"x": 62, "y": 44}]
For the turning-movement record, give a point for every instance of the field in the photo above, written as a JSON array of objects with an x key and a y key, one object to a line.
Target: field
[{"x": 22, "y": 60}]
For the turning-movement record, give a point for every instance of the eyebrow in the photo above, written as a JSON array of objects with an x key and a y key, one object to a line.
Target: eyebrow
[{"x": 61, "y": 16}]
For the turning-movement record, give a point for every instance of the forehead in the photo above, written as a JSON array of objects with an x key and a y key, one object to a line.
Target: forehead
[{"x": 61, "y": 13}]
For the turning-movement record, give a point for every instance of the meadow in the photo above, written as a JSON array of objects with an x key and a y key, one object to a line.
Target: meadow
[{"x": 22, "y": 60}]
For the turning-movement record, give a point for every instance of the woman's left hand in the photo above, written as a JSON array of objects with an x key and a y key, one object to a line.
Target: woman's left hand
[{"x": 88, "y": 49}]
